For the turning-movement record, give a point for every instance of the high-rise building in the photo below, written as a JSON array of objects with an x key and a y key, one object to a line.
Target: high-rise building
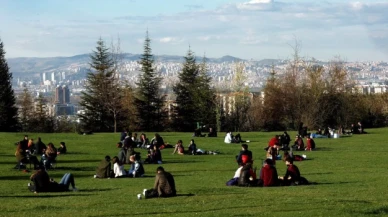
[
  {"x": 66, "y": 94},
  {"x": 52, "y": 76},
  {"x": 43, "y": 77},
  {"x": 62, "y": 95}
]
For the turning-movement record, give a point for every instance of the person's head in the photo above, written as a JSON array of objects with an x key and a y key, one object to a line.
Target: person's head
[
  {"x": 107, "y": 158},
  {"x": 39, "y": 139},
  {"x": 157, "y": 135},
  {"x": 119, "y": 145},
  {"x": 62, "y": 144},
  {"x": 268, "y": 162},
  {"x": 192, "y": 141},
  {"x": 143, "y": 136},
  {"x": 134, "y": 135},
  {"x": 285, "y": 156},
  {"x": 244, "y": 146},
  {"x": 160, "y": 170},
  {"x": 25, "y": 137},
  {"x": 289, "y": 161},
  {"x": 50, "y": 145},
  {"x": 179, "y": 142},
  {"x": 132, "y": 158},
  {"x": 115, "y": 159}
]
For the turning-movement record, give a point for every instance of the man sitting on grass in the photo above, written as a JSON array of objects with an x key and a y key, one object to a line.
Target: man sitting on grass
[
  {"x": 292, "y": 176},
  {"x": 164, "y": 185},
  {"x": 268, "y": 174}
]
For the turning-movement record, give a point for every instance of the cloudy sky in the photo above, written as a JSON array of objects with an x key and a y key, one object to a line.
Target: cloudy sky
[{"x": 251, "y": 29}]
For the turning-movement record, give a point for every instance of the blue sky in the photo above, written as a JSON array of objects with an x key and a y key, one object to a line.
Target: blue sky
[{"x": 250, "y": 29}]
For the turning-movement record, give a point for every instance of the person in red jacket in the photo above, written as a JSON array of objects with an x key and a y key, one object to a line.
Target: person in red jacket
[
  {"x": 292, "y": 176},
  {"x": 310, "y": 144},
  {"x": 268, "y": 174}
]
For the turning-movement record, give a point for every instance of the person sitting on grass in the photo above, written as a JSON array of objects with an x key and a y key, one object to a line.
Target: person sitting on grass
[
  {"x": 137, "y": 169},
  {"x": 244, "y": 156},
  {"x": 25, "y": 157},
  {"x": 292, "y": 176},
  {"x": 41, "y": 182},
  {"x": 49, "y": 156},
  {"x": 310, "y": 143},
  {"x": 154, "y": 156},
  {"x": 273, "y": 141},
  {"x": 298, "y": 144},
  {"x": 192, "y": 149},
  {"x": 104, "y": 169},
  {"x": 40, "y": 147},
  {"x": 164, "y": 185},
  {"x": 179, "y": 148},
  {"x": 212, "y": 132},
  {"x": 234, "y": 180},
  {"x": 247, "y": 176},
  {"x": 62, "y": 149},
  {"x": 144, "y": 141},
  {"x": 272, "y": 153},
  {"x": 268, "y": 174},
  {"x": 118, "y": 168}
]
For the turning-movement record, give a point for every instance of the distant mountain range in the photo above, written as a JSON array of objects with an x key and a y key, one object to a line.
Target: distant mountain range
[{"x": 32, "y": 65}]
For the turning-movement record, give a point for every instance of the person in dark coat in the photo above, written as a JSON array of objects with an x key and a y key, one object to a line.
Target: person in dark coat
[
  {"x": 268, "y": 174},
  {"x": 104, "y": 169},
  {"x": 245, "y": 156},
  {"x": 164, "y": 185}
]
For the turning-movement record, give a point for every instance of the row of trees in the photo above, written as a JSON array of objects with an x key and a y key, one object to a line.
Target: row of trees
[
  {"x": 319, "y": 96},
  {"x": 111, "y": 104}
]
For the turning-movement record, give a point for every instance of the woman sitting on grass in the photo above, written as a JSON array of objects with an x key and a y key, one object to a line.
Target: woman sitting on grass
[
  {"x": 118, "y": 168},
  {"x": 179, "y": 148},
  {"x": 41, "y": 182},
  {"x": 49, "y": 156},
  {"x": 137, "y": 169}
]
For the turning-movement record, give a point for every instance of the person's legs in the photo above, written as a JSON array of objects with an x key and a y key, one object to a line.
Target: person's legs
[
  {"x": 67, "y": 180},
  {"x": 151, "y": 193}
]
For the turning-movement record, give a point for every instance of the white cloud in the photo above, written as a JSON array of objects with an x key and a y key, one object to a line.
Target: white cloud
[
  {"x": 172, "y": 40},
  {"x": 255, "y": 5}
]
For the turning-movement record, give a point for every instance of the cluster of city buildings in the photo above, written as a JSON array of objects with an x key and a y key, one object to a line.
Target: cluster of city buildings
[{"x": 65, "y": 86}]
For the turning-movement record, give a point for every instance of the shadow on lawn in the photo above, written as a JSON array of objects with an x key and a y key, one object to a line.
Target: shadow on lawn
[
  {"x": 330, "y": 183},
  {"x": 78, "y": 161},
  {"x": 45, "y": 195},
  {"x": 183, "y": 212},
  {"x": 75, "y": 168},
  {"x": 323, "y": 149},
  {"x": 97, "y": 189}
]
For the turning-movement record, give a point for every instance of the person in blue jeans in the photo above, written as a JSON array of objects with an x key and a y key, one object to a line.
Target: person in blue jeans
[
  {"x": 42, "y": 183},
  {"x": 64, "y": 184}
]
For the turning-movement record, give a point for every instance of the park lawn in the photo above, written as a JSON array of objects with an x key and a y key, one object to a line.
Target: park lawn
[{"x": 349, "y": 176}]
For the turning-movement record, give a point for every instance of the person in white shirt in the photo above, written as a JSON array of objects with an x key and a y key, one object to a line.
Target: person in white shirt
[
  {"x": 118, "y": 168},
  {"x": 228, "y": 137}
]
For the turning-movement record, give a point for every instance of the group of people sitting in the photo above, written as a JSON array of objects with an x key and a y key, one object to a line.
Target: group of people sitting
[
  {"x": 105, "y": 170},
  {"x": 246, "y": 176},
  {"x": 198, "y": 132},
  {"x": 191, "y": 149},
  {"x": 27, "y": 152}
]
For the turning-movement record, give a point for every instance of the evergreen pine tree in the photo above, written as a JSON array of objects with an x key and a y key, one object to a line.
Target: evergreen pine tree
[
  {"x": 149, "y": 101},
  {"x": 96, "y": 115},
  {"x": 187, "y": 93},
  {"x": 8, "y": 109},
  {"x": 26, "y": 105}
]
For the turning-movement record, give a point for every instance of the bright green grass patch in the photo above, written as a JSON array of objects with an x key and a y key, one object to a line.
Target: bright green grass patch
[{"x": 350, "y": 175}]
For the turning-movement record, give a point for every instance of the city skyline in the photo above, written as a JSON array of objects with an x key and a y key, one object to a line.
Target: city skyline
[{"x": 256, "y": 29}]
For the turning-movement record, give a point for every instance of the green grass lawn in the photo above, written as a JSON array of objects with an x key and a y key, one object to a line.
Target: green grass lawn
[{"x": 350, "y": 175}]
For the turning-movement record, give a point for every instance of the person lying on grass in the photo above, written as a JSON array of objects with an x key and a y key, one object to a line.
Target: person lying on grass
[
  {"x": 41, "y": 182},
  {"x": 164, "y": 185}
]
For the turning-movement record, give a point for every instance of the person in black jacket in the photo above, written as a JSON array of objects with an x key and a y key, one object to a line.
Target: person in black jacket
[{"x": 245, "y": 156}]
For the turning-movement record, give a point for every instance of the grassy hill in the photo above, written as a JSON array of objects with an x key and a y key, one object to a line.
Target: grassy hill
[{"x": 350, "y": 175}]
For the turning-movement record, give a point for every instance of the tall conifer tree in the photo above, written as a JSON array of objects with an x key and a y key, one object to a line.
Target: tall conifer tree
[
  {"x": 8, "y": 109},
  {"x": 149, "y": 101},
  {"x": 98, "y": 87}
]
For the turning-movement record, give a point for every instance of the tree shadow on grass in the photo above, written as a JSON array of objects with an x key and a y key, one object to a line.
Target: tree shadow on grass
[
  {"x": 323, "y": 149},
  {"x": 75, "y": 168},
  {"x": 15, "y": 178},
  {"x": 78, "y": 161},
  {"x": 181, "y": 161},
  {"x": 330, "y": 183},
  {"x": 97, "y": 189},
  {"x": 377, "y": 211},
  {"x": 326, "y": 173},
  {"x": 45, "y": 195}
]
